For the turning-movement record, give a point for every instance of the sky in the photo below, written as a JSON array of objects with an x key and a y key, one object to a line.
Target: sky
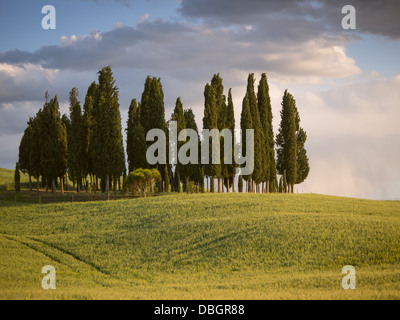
[{"x": 346, "y": 82}]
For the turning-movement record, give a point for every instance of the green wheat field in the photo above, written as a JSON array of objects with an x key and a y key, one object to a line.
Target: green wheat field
[{"x": 201, "y": 246}]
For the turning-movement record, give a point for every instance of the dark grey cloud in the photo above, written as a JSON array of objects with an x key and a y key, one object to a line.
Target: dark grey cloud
[{"x": 376, "y": 17}]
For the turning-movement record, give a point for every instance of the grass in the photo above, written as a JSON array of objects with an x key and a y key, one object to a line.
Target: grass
[
  {"x": 7, "y": 179},
  {"x": 202, "y": 246}
]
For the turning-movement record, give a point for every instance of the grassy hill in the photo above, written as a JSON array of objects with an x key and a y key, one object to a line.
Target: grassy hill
[
  {"x": 203, "y": 246},
  {"x": 7, "y": 179}
]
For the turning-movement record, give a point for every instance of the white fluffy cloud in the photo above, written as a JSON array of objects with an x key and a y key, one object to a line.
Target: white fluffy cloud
[{"x": 352, "y": 139}]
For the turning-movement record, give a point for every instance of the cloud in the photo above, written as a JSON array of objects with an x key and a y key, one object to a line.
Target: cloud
[
  {"x": 144, "y": 18},
  {"x": 352, "y": 131},
  {"x": 24, "y": 82},
  {"x": 172, "y": 47},
  {"x": 319, "y": 16}
]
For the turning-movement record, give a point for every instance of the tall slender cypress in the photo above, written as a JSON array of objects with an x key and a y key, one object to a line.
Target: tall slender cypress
[
  {"x": 286, "y": 141},
  {"x": 108, "y": 159},
  {"x": 88, "y": 122},
  {"x": 259, "y": 140},
  {"x": 179, "y": 117},
  {"x": 230, "y": 124},
  {"x": 210, "y": 121},
  {"x": 245, "y": 123},
  {"x": 265, "y": 109},
  {"x": 17, "y": 178},
  {"x": 76, "y": 145},
  {"x": 136, "y": 144}
]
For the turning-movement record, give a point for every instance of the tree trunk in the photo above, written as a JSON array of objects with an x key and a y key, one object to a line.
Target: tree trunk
[
  {"x": 187, "y": 185},
  {"x": 107, "y": 184},
  {"x": 53, "y": 185},
  {"x": 233, "y": 184},
  {"x": 227, "y": 185},
  {"x": 62, "y": 184},
  {"x": 179, "y": 181},
  {"x": 37, "y": 185},
  {"x": 30, "y": 183}
]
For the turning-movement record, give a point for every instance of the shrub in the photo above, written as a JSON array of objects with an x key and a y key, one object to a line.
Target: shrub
[{"x": 142, "y": 180}]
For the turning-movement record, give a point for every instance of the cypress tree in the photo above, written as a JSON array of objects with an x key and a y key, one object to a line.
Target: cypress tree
[
  {"x": 53, "y": 137},
  {"x": 240, "y": 184},
  {"x": 201, "y": 179},
  {"x": 221, "y": 113},
  {"x": 192, "y": 170},
  {"x": 107, "y": 137},
  {"x": 17, "y": 178},
  {"x": 152, "y": 114},
  {"x": 67, "y": 122},
  {"x": 259, "y": 140},
  {"x": 76, "y": 145},
  {"x": 286, "y": 141},
  {"x": 246, "y": 123},
  {"x": 88, "y": 120},
  {"x": 265, "y": 109},
  {"x": 167, "y": 182},
  {"x": 210, "y": 121},
  {"x": 145, "y": 104},
  {"x": 136, "y": 144},
  {"x": 285, "y": 186},
  {"x": 35, "y": 147},
  {"x": 179, "y": 117},
  {"x": 280, "y": 188},
  {"x": 303, "y": 167},
  {"x": 130, "y": 125},
  {"x": 230, "y": 124},
  {"x": 24, "y": 153}
]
